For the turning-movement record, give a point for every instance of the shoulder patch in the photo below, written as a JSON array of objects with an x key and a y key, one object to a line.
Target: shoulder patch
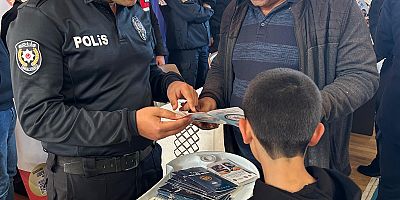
[
  {"x": 28, "y": 56},
  {"x": 139, "y": 28}
]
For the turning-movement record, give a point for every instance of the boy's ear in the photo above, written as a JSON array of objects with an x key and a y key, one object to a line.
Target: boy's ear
[
  {"x": 245, "y": 129},
  {"x": 319, "y": 131}
]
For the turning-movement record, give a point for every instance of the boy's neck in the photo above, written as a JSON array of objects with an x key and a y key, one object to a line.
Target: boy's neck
[{"x": 288, "y": 174}]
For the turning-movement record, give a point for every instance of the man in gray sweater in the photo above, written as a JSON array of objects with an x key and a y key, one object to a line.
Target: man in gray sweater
[{"x": 328, "y": 40}]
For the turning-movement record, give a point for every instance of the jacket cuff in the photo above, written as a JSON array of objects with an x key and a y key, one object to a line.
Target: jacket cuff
[
  {"x": 172, "y": 77},
  {"x": 220, "y": 104},
  {"x": 132, "y": 125},
  {"x": 161, "y": 51}
]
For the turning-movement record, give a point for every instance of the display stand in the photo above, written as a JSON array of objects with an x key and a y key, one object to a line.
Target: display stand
[{"x": 202, "y": 159}]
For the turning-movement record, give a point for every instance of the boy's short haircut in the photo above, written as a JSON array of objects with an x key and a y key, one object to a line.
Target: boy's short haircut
[{"x": 283, "y": 107}]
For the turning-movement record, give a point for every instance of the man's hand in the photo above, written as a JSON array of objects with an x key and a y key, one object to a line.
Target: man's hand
[
  {"x": 205, "y": 5},
  {"x": 150, "y": 126},
  {"x": 160, "y": 60},
  {"x": 178, "y": 90},
  {"x": 205, "y": 104}
]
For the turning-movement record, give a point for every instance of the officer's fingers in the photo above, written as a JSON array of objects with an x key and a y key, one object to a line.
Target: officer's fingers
[
  {"x": 162, "y": 113},
  {"x": 174, "y": 126},
  {"x": 173, "y": 99}
]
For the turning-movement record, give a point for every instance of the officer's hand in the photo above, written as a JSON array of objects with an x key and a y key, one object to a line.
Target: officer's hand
[
  {"x": 205, "y": 104},
  {"x": 178, "y": 90},
  {"x": 150, "y": 126},
  {"x": 160, "y": 60}
]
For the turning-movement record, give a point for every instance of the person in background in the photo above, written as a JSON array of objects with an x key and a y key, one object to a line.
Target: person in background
[
  {"x": 188, "y": 37},
  {"x": 160, "y": 49},
  {"x": 258, "y": 35},
  {"x": 215, "y": 23},
  {"x": 8, "y": 151},
  {"x": 387, "y": 45},
  {"x": 373, "y": 168},
  {"x": 279, "y": 131}
]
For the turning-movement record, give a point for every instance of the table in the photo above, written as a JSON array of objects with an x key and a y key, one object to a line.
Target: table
[{"x": 202, "y": 159}]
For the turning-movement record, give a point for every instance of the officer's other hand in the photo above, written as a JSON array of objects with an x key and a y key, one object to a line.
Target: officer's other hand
[
  {"x": 181, "y": 90},
  {"x": 206, "y": 104},
  {"x": 150, "y": 126},
  {"x": 160, "y": 60}
]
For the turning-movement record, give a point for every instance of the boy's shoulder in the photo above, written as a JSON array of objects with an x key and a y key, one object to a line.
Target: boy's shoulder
[{"x": 330, "y": 184}]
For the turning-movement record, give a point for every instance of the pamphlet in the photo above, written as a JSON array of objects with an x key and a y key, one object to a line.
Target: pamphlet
[
  {"x": 229, "y": 116},
  {"x": 232, "y": 172}
]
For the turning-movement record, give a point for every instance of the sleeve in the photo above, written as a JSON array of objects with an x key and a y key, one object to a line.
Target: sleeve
[
  {"x": 190, "y": 10},
  {"x": 38, "y": 97},
  {"x": 160, "y": 49},
  {"x": 384, "y": 43},
  {"x": 160, "y": 81},
  {"x": 356, "y": 73},
  {"x": 215, "y": 83}
]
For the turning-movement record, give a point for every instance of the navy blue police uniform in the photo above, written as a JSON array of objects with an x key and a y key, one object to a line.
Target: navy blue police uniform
[{"x": 79, "y": 73}]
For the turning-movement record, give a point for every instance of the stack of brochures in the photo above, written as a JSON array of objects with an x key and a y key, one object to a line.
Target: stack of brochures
[{"x": 196, "y": 184}]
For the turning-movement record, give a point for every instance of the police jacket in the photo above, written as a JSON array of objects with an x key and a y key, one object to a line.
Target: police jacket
[
  {"x": 80, "y": 72},
  {"x": 187, "y": 24}
]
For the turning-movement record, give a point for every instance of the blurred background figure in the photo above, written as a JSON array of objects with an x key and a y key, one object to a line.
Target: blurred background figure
[
  {"x": 188, "y": 37},
  {"x": 215, "y": 23},
  {"x": 387, "y": 46},
  {"x": 373, "y": 168}
]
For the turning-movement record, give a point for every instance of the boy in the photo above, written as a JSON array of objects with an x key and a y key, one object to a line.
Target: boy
[{"x": 283, "y": 111}]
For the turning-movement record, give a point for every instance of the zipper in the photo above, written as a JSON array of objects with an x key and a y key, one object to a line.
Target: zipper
[{"x": 228, "y": 73}]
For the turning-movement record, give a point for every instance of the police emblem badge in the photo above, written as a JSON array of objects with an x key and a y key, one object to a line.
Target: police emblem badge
[
  {"x": 28, "y": 56},
  {"x": 139, "y": 28}
]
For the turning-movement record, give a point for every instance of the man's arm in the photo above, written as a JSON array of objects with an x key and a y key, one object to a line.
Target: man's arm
[
  {"x": 40, "y": 105},
  {"x": 356, "y": 73},
  {"x": 191, "y": 11}
]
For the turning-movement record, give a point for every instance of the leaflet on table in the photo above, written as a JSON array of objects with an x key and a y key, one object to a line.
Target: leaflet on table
[
  {"x": 229, "y": 116},
  {"x": 231, "y": 171}
]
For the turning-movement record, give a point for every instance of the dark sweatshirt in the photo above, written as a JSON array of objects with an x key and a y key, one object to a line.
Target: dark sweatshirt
[
  {"x": 6, "y": 94},
  {"x": 330, "y": 185}
]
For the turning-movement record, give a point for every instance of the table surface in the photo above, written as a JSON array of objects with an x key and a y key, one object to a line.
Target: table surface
[{"x": 199, "y": 159}]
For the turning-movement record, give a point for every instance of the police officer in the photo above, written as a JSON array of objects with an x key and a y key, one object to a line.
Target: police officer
[
  {"x": 188, "y": 37},
  {"x": 84, "y": 82}
]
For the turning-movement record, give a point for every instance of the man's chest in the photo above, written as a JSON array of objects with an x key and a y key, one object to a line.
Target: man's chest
[{"x": 265, "y": 42}]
